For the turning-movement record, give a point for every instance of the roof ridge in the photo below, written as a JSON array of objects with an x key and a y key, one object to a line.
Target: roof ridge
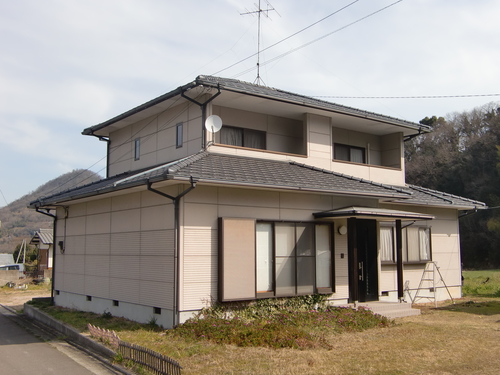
[
  {"x": 379, "y": 184},
  {"x": 176, "y": 166}
]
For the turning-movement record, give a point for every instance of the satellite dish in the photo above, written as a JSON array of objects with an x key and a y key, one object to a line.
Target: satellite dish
[{"x": 213, "y": 123}]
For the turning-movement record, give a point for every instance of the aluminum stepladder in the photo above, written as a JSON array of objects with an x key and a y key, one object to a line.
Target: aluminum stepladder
[{"x": 431, "y": 279}]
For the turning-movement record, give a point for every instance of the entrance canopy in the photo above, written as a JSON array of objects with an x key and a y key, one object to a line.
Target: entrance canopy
[{"x": 371, "y": 213}]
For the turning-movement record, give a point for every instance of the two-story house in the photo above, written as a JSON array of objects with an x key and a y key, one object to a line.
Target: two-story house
[{"x": 292, "y": 196}]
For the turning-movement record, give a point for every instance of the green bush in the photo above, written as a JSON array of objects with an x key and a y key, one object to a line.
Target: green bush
[{"x": 297, "y": 323}]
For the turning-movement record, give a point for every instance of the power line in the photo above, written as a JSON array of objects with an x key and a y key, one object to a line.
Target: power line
[{"x": 407, "y": 97}]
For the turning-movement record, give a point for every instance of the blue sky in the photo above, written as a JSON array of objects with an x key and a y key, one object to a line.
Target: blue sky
[{"x": 69, "y": 64}]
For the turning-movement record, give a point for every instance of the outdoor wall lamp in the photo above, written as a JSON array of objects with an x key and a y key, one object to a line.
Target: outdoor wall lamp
[{"x": 342, "y": 230}]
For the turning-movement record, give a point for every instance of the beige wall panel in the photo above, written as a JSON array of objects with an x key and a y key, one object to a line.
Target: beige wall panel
[
  {"x": 444, "y": 227},
  {"x": 126, "y": 221},
  {"x": 123, "y": 244},
  {"x": 126, "y": 290},
  {"x": 77, "y": 210},
  {"x": 296, "y": 215},
  {"x": 166, "y": 138},
  {"x": 119, "y": 167},
  {"x": 97, "y": 265},
  {"x": 200, "y": 270},
  {"x": 243, "y": 119},
  {"x": 157, "y": 243},
  {"x": 145, "y": 127},
  {"x": 318, "y": 124},
  {"x": 98, "y": 244},
  {"x": 125, "y": 202},
  {"x": 145, "y": 161},
  {"x": 193, "y": 146},
  {"x": 74, "y": 245},
  {"x": 98, "y": 224},
  {"x": 391, "y": 158},
  {"x": 99, "y": 206},
  {"x": 200, "y": 241},
  {"x": 341, "y": 288},
  {"x": 198, "y": 295},
  {"x": 247, "y": 197},
  {"x": 340, "y": 135},
  {"x": 96, "y": 286},
  {"x": 245, "y": 212},
  {"x": 148, "y": 145},
  {"x": 125, "y": 267},
  {"x": 318, "y": 160},
  {"x": 73, "y": 283},
  {"x": 200, "y": 215},
  {"x": 284, "y": 144},
  {"x": 156, "y": 294},
  {"x": 74, "y": 226},
  {"x": 388, "y": 278},
  {"x": 148, "y": 198},
  {"x": 202, "y": 194},
  {"x": 61, "y": 264},
  {"x": 172, "y": 116},
  {"x": 74, "y": 264},
  {"x": 319, "y": 142},
  {"x": 285, "y": 126},
  {"x": 157, "y": 217},
  {"x": 157, "y": 268},
  {"x": 309, "y": 202}
]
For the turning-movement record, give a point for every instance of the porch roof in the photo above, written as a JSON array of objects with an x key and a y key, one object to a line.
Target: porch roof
[{"x": 371, "y": 212}]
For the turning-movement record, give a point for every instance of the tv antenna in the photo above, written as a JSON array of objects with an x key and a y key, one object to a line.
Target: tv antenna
[{"x": 259, "y": 12}]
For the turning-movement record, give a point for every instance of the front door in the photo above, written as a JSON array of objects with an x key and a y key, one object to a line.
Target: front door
[{"x": 363, "y": 267}]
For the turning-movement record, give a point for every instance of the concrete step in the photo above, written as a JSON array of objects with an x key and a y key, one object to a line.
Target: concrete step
[{"x": 390, "y": 310}]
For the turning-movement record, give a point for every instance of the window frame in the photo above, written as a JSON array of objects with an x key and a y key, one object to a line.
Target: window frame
[
  {"x": 405, "y": 238},
  {"x": 179, "y": 136},
  {"x": 349, "y": 148},
  {"x": 137, "y": 148},
  {"x": 296, "y": 257},
  {"x": 244, "y": 131}
]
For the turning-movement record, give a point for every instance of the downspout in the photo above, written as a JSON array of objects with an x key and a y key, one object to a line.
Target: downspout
[
  {"x": 177, "y": 234},
  {"x": 53, "y": 251},
  {"x": 203, "y": 107},
  {"x": 108, "y": 142}
]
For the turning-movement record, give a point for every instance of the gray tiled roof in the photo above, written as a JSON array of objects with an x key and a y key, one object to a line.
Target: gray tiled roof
[
  {"x": 220, "y": 169},
  {"x": 242, "y": 87},
  {"x": 250, "y": 88}
]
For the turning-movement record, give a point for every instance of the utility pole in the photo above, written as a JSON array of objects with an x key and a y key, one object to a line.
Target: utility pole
[{"x": 259, "y": 12}]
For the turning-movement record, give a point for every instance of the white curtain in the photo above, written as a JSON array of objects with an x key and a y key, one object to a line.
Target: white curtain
[
  {"x": 386, "y": 244},
  {"x": 264, "y": 257},
  {"x": 413, "y": 244},
  {"x": 357, "y": 155},
  {"x": 425, "y": 253}
]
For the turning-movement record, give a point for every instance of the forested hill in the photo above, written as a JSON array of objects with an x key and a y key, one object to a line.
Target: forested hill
[
  {"x": 462, "y": 156},
  {"x": 19, "y": 222}
]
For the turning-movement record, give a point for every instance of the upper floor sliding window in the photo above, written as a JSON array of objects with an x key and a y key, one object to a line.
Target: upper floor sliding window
[
  {"x": 243, "y": 137},
  {"x": 349, "y": 153},
  {"x": 416, "y": 244}
]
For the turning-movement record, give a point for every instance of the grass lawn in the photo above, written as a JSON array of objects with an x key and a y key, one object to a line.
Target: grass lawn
[{"x": 463, "y": 338}]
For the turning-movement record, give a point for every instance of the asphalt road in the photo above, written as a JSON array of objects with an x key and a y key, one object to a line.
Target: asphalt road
[{"x": 23, "y": 353}]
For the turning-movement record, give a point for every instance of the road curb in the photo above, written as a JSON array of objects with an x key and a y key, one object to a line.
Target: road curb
[{"x": 85, "y": 343}]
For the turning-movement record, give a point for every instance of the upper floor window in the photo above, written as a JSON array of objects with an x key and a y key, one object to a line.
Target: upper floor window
[
  {"x": 233, "y": 136},
  {"x": 178, "y": 135},
  {"x": 349, "y": 153},
  {"x": 137, "y": 149}
]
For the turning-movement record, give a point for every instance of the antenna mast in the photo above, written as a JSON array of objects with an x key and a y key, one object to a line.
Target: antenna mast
[{"x": 259, "y": 11}]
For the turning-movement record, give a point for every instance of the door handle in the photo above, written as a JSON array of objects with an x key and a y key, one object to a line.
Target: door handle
[{"x": 361, "y": 274}]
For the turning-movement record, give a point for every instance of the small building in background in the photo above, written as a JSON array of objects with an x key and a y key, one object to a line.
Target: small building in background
[{"x": 43, "y": 240}]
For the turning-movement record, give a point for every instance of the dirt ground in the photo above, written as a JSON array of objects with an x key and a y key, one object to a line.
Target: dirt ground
[{"x": 15, "y": 298}]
